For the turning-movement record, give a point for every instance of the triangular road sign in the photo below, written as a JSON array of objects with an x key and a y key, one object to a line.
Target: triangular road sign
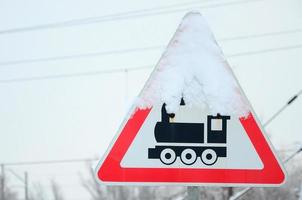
[{"x": 195, "y": 145}]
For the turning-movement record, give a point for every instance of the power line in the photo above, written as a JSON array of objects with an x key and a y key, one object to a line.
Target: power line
[
  {"x": 246, "y": 190},
  {"x": 92, "y": 73},
  {"x": 133, "y": 50},
  {"x": 73, "y": 75},
  {"x": 123, "y": 16},
  {"x": 298, "y": 46},
  {"x": 77, "y": 56},
  {"x": 49, "y": 162},
  {"x": 253, "y": 36},
  {"x": 289, "y": 102},
  {"x": 46, "y": 162}
]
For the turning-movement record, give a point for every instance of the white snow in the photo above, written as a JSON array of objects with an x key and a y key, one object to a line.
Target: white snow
[{"x": 193, "y": 67}]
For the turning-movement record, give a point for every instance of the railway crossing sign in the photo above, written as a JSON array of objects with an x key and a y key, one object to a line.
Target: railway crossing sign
[{"x": 192, "y": 146}]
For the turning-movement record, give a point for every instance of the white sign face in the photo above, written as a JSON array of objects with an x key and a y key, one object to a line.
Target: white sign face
[{"x": 238, "y": 145}]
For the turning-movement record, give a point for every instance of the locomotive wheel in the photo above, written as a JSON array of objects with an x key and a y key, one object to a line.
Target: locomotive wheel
[
  {"x": 188, "y": 156},
  {"x": 208, "y": 157},
  {"x": 167, "y": 156}
]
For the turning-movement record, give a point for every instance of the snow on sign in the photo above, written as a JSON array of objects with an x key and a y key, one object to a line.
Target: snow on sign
[{"x": 191, "y": 124}]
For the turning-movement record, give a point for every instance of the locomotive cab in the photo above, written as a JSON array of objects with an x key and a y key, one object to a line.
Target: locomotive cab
[{"x": 217, "y": 134}]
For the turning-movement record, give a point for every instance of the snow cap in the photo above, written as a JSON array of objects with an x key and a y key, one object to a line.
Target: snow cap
[{"x": 193, "y": 67}]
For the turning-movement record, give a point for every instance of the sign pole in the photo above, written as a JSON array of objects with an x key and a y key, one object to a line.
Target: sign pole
[
  {"x": 26, "y": 185},
  {"x": 193, "y": 193}
]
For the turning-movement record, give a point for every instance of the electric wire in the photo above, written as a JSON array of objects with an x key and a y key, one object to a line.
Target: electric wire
[
  {"x": 259, "y": 35},
  {"x": 135, "y": 50},
  {"x": 85, "y": 55},
  {"x": 83, "y": 160},
  {"x": 123, "y": 51},
  {"x": 43, "y": 162},
  {"x": 235, "y": 197},
  {"x": 73, "y": 75},
  {"x": 289, "y": 102},
  {"x": 246, "y": 190},
  {"x": 123, "y": 16},
  {"x": 298, "y": 46}
]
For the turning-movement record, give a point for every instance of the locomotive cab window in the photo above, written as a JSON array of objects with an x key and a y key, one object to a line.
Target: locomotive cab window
[{"x": 216, "y": 124}]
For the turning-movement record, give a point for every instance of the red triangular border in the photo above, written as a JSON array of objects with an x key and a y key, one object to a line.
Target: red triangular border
[{"x": 110, "y": 171}]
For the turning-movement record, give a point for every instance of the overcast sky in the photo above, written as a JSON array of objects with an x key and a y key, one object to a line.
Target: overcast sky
[{"x": 76, "y": 117}]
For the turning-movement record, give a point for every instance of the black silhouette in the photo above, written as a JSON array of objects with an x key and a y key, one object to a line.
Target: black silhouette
[{"x": 186, "y": 140}]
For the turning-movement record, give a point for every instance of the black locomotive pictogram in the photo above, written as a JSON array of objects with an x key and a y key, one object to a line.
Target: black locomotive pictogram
[{"x": 186, "y": 140}]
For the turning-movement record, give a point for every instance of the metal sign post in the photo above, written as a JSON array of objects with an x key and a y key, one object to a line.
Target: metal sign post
[
  {"x": 26, "y": 185},
  {"x": 193, "y": 193}
]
